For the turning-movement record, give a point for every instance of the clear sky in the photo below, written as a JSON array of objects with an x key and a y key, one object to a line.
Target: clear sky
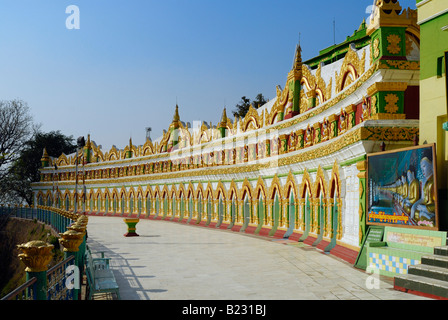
[{"x": 130, "y": 61}]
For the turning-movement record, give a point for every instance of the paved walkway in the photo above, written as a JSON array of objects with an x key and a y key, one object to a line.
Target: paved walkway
[{"x": 173, "y": 261}]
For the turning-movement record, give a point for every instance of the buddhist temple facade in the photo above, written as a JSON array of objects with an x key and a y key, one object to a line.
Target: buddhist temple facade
[{"x": 293, "y": 168}]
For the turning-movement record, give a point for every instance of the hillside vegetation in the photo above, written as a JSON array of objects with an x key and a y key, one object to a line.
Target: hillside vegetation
[{"x": 13, "y": 232}]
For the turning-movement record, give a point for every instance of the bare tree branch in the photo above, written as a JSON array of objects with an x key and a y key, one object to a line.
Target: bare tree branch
[{"x": 16, "y": 127}]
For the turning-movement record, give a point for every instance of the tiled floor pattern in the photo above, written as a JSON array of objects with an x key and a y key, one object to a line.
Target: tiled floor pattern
[{"x": 172, "y": 261}]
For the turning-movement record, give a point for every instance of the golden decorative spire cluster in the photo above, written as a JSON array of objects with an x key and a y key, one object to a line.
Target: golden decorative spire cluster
[
  {"x": 176, "y": 117},
  {"x": 298, "y": 58},
  {"x": 224, "y": 118},
  {"x": 387, "y": 13}
]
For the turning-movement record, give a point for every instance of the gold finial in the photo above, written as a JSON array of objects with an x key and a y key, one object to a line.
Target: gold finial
[
  {"x": 36, "y": 255},
  {"x": 71, "y": 240},
  {"x": 176, "y": 117},
  {"x": 298, "y": 58},
  {"x": 45, "y": 156},
  {"x": 88, "y": 144},
  {"x": 224, "y": 118}
]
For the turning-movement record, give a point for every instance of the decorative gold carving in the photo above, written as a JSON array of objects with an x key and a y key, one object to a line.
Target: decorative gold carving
[
  {"x": 389, "y": 133},
  {"x": 394, "y": 41},
  {"x": 400, "y": 64},
  {"x": 252, "y": 120},
  {"x": 391, "y": 103},
  {"x": 352, "y": 66},
  {"x": 204, "y": 136},
  {"x": 375, "y": 48},
  {"x": 36, "y": 255},
  {"x": 71, "y": 240},
  {"x": 388, "y": 116},
  {"x": 373, "y": 105},
  {"x": 361, "y": 165},
  {"x": 386, "y": 86},
  {"x": 325, "y": 131}
]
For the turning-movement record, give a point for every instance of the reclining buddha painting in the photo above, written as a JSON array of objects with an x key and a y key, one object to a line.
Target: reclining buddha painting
[{"x": 401, "y": 187}]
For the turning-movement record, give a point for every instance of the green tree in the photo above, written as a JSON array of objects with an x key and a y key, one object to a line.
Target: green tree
[
  {"x": 25, "y": 170},
  {"x": 243, "y": 106}
]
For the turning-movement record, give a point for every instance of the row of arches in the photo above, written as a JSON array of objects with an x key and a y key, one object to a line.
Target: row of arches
[{"x": 308, "y": 208}]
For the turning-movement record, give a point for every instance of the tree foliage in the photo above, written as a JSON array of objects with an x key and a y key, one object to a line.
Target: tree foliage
[
  {"x": 243, "y": 106},
  {"x": 25, "y": 170}
]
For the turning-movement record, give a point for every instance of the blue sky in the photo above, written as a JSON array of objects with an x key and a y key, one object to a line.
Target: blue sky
[{"x": 131, "y": 61}]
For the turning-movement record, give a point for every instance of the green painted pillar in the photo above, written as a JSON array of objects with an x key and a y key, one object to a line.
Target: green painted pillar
[
  {"x": 71, "y": 240},
  {"x": 387, "y": 100},
  {"x": 362, "y": 166},
  {"x": 276, "y": 212},
  {"x": 36, "y": 255},
  {"x": 388, "y": 43}
]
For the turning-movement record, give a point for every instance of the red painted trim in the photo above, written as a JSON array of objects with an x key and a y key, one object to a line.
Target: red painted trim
[
  {"x": 419, "y": 293},
  {"x": 344, "y": 253},
  {"x": 279, "y": 234},
  {"x": 236, "y": 228},
  {"x": 212, "y": 225},
  {"x": 322, "y": 244},
  {"x": 264, "y": 232},
  {"x": 309, "y": 240},
  {"x": 224, "y": 226},
  {"x": 295, "y": 236},
  {"x": 250, "y": 229}
]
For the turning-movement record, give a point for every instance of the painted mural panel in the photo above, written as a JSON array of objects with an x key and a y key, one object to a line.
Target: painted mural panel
[{"x": 401, "y": 187}]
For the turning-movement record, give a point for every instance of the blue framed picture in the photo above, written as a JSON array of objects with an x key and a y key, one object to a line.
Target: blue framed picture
[{"x": 402, "y": 189}]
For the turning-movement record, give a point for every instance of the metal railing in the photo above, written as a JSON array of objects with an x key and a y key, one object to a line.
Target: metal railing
[
  {"x": 24, "y": 292},
  {"x": 59, "y": 285},
  {"x": 59, "y": 279},
  {"x": 58, "y": 219}
]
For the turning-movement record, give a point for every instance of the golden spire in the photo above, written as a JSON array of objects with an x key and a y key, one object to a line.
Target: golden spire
[
  {"x": 296, "y": 71},
  {"x": 45, "y": 154},
  {"x": 224, "y": 118},
  {"x": 176, "y": 117},
  {"x": 88, "y": 144},
  {"x": 298, "y": 58}
]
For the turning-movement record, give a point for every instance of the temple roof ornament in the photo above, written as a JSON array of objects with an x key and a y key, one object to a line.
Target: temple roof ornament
[
  {"x": 45, "y": 156},
  {"x": 387, "y": 13},
  {"x": 224, "y": 119},
  {"x": 298, "y": 58},
  {"x": 88, "y": 143},
  {"x": 296, "y": 71},
  {"x": 176, "y": 117}
]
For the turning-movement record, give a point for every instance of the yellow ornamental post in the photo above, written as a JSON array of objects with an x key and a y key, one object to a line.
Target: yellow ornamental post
[{"x": 36, "y": 255}]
